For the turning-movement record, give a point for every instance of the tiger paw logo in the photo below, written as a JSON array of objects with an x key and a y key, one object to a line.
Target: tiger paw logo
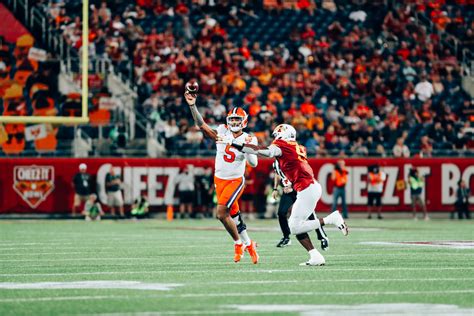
[{"x": 33, "y": 183}]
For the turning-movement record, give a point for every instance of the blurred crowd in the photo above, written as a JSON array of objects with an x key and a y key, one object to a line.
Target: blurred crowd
[{"x": 376, "y": 78}]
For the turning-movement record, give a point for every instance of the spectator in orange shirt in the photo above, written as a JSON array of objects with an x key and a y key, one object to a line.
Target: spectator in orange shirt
[
  {"x": 254, "y": 109},
  {"x": 266, "y": 77},
  {"x": 307, "y": 107},
  {"x": 275, "y": 96},
  {"x": 255, "y": 88},
  {"x": 339, "y": 177}
]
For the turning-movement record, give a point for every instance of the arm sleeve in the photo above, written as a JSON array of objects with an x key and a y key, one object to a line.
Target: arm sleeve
[
  {"x": 251, "y": 158},
  {"x": 271, "y": 151}
]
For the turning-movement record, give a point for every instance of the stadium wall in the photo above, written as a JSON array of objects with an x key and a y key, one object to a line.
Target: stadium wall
[{"x": 45, "y": 185}]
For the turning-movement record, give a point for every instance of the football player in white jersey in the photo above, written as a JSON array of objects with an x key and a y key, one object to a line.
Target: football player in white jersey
[{"x": 229, "y": 174}]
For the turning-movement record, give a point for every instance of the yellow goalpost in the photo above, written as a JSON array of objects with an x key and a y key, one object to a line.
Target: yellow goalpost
[{"x": 84, "y": 118}]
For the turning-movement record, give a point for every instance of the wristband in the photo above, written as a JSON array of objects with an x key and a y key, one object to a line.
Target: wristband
[{"x": 237, "y": 145}]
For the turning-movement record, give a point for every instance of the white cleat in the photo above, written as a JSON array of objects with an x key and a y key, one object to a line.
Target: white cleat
[
  {"x": 316, "y": 259},
  {"x": 313, "y": 263},
  {"x": 336, "y": 219}
]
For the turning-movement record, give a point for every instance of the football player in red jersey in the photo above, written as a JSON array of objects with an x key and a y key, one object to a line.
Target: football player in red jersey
[{"x": 292, "y": 159}]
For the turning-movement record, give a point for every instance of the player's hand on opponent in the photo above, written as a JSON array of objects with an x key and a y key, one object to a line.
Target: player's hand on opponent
[
  {"x": 275, "y": 195},
  {"x": 287, "y": 189},
  {"x": 190, "y": 98}
]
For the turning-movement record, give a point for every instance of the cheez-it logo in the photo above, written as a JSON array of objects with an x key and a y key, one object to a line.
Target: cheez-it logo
[{"x": 33, "y": 183}]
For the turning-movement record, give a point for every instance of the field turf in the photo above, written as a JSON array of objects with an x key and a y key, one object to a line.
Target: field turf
[{"x": 192, "y": 259}]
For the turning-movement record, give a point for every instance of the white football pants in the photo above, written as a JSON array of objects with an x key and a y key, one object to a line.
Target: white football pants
[{"x": 304, "y": 206}]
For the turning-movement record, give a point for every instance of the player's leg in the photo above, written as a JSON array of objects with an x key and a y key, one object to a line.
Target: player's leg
[
  {"x": 300, "y": 222},
  {"x": 304, "y": 206},
  {"x": 322, "y": 236},
  {"x": 315, "y": 258},
  {"x": 224, "y": 192},
  {"x": 286, "y": 202},
  {"x": 250, "y": 246},
  {"x": 226, "y": 220}
]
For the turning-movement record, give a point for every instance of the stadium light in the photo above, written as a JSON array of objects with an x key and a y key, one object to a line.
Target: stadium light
[{"x": 84, "y": 118}]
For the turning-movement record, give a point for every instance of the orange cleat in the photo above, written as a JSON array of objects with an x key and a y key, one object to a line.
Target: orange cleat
[
  {"x": 252, "y": 250},
  {"x": 239, "y": 252}
]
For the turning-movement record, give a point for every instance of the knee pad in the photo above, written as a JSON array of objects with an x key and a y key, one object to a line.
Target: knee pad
[{"x": 239, "y": 222}]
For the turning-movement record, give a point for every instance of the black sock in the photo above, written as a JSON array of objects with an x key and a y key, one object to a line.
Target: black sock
[
  {"x": 285, "y": 229},
  {"x": 321, "y": 233}
]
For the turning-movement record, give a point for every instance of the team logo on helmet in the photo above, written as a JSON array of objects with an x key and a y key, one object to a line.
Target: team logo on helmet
[{"x": 237, "y": 119}]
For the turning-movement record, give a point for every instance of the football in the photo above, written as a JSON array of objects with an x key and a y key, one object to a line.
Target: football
[{"x": 192, "y": 86}]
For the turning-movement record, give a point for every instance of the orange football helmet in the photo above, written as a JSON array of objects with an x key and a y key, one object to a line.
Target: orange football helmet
[{"x": 241, "y": 122}]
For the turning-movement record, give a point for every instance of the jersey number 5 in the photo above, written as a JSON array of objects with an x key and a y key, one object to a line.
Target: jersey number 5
[
  {"x": 229, "y": 155},
  {"x": 301, "y": 151}
]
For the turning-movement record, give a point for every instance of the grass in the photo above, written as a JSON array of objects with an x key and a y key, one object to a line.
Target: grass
[{"x": 198, "y": 255}]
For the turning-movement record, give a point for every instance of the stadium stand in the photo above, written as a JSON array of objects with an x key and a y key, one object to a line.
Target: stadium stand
[{"x": 351, "y": 78}]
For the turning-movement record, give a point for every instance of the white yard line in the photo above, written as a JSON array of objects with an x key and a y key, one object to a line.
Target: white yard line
[
  {"x": 132, "y": 238},
  {"x": 62, "y": 298},
  {"x": 254, "y": 294},
  {"x": 338, "y": 281},
  {"x": 257, "y": 294},
  {"x": 157, "y": 256},
  {"x": 467, "y": 244},
  {"x": 99, "y": 284},
  {"x": 234, "y": 271},
  {"x": 184, "y": 312}
]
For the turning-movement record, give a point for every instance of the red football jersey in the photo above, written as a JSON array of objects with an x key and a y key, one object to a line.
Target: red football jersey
[{"x": 294, "y": 165}]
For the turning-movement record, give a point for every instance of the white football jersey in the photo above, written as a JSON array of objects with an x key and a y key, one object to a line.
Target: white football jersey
[{"x": 230, "y": 163}]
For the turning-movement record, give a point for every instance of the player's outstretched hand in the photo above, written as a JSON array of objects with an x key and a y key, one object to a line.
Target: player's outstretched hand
[{"x": 190, "y": 98}]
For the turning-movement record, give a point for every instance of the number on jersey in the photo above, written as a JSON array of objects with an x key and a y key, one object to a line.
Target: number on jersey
[
  {"x": 229, "y": 155},
  {"x": 301, "y": 151}
]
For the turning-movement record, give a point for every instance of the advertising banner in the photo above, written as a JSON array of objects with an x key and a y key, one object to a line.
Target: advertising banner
[{"x": 45, "y": 185}]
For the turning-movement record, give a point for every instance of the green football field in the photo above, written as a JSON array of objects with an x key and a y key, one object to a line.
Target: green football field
[{"x": 185, "y": 268}]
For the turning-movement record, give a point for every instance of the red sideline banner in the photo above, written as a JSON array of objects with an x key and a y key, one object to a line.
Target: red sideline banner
[{"x": 43, "y": 185}]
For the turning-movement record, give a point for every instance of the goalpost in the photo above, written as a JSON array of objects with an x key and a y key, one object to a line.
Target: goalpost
[{"x": 84, "y": 118}]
